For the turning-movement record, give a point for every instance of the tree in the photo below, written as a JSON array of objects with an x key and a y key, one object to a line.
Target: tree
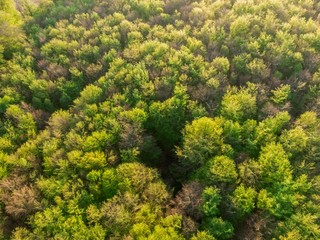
[
  {"x": 281, "y": 94},
  {"x": 203, "y": 235},
  {"x": 168, "y": 228},
  {"x": 91, "y": 94},
  {"x": 202, "y": 139},
  {"x": 219, "y": 228},
  {"x": 274, "y": 164},
  {"x": 20, "y": 203},
  {"x": 221, "y": 97},
  {"x": 211, "y": 201},
  {"x": 167, "y": 119},
  {"x": 135, "y": 177},
  {"x": 220, "y": 169},
  {"x": 295, "y": 140},
  {"x": 244, "y": 200},
  {"x": 23, "y": 122},
  {"x": 60, "y": 122},
  {"x": 270, "y": 128},
  {"x": 239, "y": 105},
  {"x": 301, "y": 225},
  {"x": 11, "y": 36}
]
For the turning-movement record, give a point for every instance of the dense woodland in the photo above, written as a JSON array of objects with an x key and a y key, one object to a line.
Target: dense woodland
[{"x": 160, "y": 119}]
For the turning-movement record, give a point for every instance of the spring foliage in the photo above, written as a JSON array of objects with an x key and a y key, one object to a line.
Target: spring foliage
[{"x": 166, "y": 119}]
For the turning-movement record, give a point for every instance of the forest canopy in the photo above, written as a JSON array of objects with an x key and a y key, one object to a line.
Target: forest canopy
[{"x": 160, "y": 119}]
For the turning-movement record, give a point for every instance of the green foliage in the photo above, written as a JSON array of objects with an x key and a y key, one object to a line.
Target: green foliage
[
  {"x": 219, "y": 169},
  {"x": 295, "y": 140},
  {"x": 134, "y": 176},
  {"x": 11, "y": 36},
  {"x": 274, "y": 164},
  {"x": 239, "y": 105},
  {"x": 301, "y": 225},
  {"x": 91, "y": 94},
  {"x": 167, "y": 118},
  {"x": 219, "y": 228},
  {"x": 202, "y": 140},
  {"x": 269, "y": 129},
  {"x": 164, "y": 119},
  {"x": 211, "y": 201},
  {"x": 202, "y": 236},
  {"x": 21, "y": 125},
  {"x": 167, "y": 229},
  {"x": 244, "y": 199},
  {"x": 281, "y": 94},
  {"x": 221, "y": 64}
]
